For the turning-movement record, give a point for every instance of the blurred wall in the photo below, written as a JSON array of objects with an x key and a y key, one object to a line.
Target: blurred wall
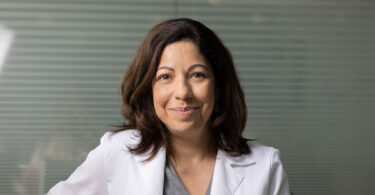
[{"x": 307, "y": 68}]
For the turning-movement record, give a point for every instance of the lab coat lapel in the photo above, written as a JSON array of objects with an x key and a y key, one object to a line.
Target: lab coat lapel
[
  {"x": 152, "y": 172},
  {"x": 226, "y": 179}
]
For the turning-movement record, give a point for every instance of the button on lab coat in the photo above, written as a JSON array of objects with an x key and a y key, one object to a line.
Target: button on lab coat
[{"x": 110, "y": 169}]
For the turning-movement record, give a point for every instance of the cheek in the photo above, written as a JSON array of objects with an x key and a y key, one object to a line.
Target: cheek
[
  {"x": 160, "y": 96},
  {"x": 206, "y": 94}
]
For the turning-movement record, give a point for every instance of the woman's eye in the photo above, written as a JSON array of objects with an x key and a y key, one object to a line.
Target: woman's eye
[
  {"x": 163, "y": 77},
  {"x": 198, "y": 75}
]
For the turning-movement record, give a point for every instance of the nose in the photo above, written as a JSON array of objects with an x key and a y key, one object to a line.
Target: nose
[{"x": 182, "y": 90}]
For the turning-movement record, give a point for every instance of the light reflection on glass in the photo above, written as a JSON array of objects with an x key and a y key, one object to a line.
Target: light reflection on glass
[{"x": 6, "y": 37}]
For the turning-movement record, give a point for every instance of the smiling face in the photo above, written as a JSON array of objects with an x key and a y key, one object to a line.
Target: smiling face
[{"x": 183, "y": 89}]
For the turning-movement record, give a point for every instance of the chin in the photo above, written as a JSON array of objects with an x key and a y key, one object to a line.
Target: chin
[{"x": 186, "y": 129}]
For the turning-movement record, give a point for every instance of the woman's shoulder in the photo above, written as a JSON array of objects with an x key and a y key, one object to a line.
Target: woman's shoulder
[
  {"x": 120, "y": 140},
  {"x": 263, "y": 168},
  {"x": 259, "y": 153},
  {"x": 258, "y": 148}
]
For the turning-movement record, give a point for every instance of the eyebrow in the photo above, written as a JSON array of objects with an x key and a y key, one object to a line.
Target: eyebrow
[{"x": 190, "y": 68}]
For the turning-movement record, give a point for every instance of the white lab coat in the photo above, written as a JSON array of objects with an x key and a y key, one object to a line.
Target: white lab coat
[{"x": 110, "y": 169}]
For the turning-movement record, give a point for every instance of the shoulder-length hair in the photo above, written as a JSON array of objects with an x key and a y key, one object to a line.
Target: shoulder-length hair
[{"x": 229, "y": 118}]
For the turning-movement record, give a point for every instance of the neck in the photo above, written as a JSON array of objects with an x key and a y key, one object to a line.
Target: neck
[{"x": 192, "y": 148}]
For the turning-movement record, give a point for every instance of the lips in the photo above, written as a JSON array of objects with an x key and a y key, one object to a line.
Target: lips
[{"x": 184, "y": 111}]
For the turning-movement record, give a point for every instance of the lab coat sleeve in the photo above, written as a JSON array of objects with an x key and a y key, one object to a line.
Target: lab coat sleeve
[
  {"x": 89, "y": 178},
  {"x": 279, "y": 184}
]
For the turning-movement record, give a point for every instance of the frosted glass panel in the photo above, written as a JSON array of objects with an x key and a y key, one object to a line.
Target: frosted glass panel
[{"x": 307, "y": 68}]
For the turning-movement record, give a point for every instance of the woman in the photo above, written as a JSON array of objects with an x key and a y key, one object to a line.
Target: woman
[{"x": 185, "y": 113}]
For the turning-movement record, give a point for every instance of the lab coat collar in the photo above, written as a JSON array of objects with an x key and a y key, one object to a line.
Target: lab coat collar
[
  {"x": 242, "y": 160},
  {"x": 225, "y": 179},
  {"x": 152, "y": 171}
]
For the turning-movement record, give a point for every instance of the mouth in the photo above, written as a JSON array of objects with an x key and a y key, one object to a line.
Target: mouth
[{"x": 184, "y": 110}]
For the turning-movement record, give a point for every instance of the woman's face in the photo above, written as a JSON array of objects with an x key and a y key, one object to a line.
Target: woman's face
[{"x": 183, "y": 89}]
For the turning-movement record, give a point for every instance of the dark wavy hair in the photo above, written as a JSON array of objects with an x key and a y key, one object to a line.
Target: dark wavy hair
[{"x": 226, "y": 123}]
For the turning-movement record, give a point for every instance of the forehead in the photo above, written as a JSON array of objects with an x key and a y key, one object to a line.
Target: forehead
[{"x": 182, "y": 53}]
